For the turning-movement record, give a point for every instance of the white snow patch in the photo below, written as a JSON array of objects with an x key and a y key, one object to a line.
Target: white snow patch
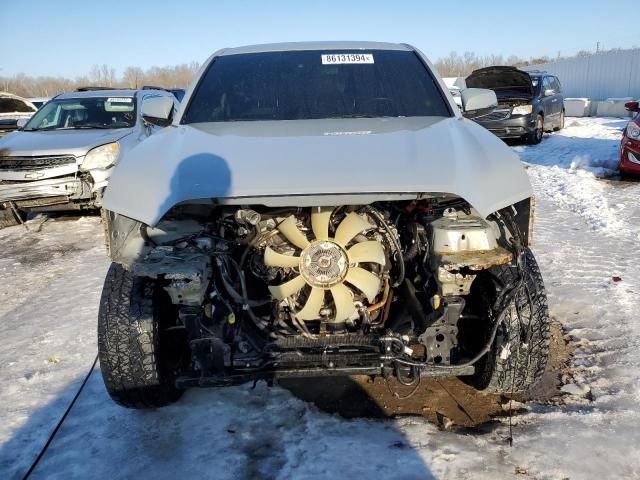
[{"x": 585, "y": 144}]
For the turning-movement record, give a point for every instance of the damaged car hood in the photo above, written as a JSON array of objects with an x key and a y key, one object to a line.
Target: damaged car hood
[
  {"x": 503, "y": 80},
  {"x": 316, "y": 162},
  {"x": 58, "y": 142}
]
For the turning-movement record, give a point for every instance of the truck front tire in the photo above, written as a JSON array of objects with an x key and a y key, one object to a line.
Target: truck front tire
[
  {"x": 138, "y": 366},
  {"x": 520, "y": 350},
  {"x": 535, "y": 136}
]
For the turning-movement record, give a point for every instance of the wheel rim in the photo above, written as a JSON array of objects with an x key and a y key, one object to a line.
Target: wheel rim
[{"x": 539, "y": 128}]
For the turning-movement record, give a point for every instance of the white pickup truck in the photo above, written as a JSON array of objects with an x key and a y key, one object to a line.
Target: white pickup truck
[{"x": 320, "y": 209}]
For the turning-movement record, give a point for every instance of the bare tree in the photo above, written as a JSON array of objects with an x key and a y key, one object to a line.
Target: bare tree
[
  {"x": 453, "y": 65},
  {"x": 103, "y": 75},
  {"x": 132, "y": 77}
]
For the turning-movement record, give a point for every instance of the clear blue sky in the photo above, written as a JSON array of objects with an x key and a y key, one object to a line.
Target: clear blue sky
[{"x": 67, "y": 37}]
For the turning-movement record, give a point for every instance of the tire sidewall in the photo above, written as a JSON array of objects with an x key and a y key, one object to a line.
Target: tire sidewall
[
  {"x": 513, "y": 365},
  {"x": 129, "y": 345}
]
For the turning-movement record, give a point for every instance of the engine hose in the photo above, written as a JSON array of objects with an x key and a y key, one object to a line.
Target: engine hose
[
  {"x": 412, "y": 252},
  {"x": 237, "y": 297},
  {"x": 398, "y": 250},
  {"x": 261, "y": 324},
  {"x": 248, "y": 304},
  {"x": 415, "y": 383}
]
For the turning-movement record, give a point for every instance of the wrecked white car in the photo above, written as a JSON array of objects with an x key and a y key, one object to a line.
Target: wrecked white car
[
  {"x": 12, "y": 110},
  {"x": 62, "y": 157},
  {"x": 320, "y": 209}
]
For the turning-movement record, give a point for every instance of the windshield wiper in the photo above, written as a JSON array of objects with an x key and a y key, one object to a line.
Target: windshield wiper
[
  {"x": 87, "y": 126},
  {"x": 355, "y": 115},
  {"x": 74, "y": 127}
]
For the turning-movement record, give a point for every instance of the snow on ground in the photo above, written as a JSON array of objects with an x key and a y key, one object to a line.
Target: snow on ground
[
  {"x": 586, "y": 233},
  {"x": 588, "y": 144}
]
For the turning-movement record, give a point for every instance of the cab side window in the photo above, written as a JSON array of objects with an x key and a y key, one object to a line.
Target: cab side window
[{"x": 556, "y": 85}]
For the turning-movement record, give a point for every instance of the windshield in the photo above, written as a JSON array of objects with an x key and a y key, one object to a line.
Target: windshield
[
  {"x": 79, "y": 113},
  {"x": 299, "y": 85}
]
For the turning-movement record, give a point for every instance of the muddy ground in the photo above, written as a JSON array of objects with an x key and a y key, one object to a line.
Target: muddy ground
[{"x": 445, "y": 402}]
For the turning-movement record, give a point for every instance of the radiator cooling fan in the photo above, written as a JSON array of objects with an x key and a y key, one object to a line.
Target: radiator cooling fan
[{"x": 326, "y": 264}]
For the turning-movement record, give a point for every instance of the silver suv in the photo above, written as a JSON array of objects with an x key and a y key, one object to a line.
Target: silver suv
[{"x": 62, "y": 157}]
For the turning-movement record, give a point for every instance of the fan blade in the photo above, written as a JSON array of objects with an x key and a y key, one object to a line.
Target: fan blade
[
  {"x": 288, "y": 288},
  {"x": 365, "y": 281},
  {"x": 320, "y": 222},
  {"x": 311, "y": 309},
  {"x": 370, "y": 251},
  {"x": 275, "y": 259},
  {"x": 351, "y": 226},
  {"x": 290, "y": 230},
  {"x": 343, "y": 298}
]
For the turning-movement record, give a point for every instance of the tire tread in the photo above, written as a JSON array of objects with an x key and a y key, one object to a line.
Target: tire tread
[{"x": 127, "y": 343}]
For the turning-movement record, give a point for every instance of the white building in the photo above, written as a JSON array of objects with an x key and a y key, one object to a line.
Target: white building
[{"x": 611, "y": 74}]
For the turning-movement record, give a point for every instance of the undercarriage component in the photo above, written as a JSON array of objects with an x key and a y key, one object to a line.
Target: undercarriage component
[
  {"x": 187, "y": 381},
  {"x": 441, "y": 337},
  {"x": 319, "y": 357},
  {"x": 185, "y": 273}
]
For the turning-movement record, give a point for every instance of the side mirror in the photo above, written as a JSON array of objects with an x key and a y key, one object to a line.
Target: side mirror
[
  {"x": 632, "y": 106},
  {"x": 158, "y": 110},
  {"x": 478, "y": 101},
  {"x": 22, "y": 122},
  {"x": 549, "y": 91}
]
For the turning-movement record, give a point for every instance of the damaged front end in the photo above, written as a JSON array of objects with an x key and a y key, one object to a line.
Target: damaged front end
[
  {"x": 389, "y": 288},
  {"x": 46, "y": 183}
]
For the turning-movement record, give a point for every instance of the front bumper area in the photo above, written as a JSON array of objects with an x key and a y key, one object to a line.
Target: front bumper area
[
  {"x": 69, "y": 188},
  {"x": 630, "y": 156},
  {"x": 512, "y": 127},
  {"x": 302, "y": 357},
  {"x": 51, "y": 182}
]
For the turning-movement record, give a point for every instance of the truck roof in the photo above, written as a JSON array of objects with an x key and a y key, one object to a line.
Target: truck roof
[
  {"x": 116, "y": 92},
  {"x": 298, "y": 46}
]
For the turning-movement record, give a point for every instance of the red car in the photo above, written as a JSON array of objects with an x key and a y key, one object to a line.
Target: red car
[{"x": 630, "y": 146}]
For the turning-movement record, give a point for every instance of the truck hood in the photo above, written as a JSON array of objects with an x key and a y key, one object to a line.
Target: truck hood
[
  {"x": 58, "y": 142},
  {"x": 316, "y": 162},
  {"x": 503, "y": 80}
]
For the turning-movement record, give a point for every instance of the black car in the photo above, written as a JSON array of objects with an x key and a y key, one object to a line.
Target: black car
[{"x": 529, "y": 103}]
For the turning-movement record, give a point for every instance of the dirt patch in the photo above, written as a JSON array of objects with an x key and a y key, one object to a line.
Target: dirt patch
[
  {"x": 27, "y": 247},
  {"x": 445, "y": 402},
  {"x": 547, "y": 389}
]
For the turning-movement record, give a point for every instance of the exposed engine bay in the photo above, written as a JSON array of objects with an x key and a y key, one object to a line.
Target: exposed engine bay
[
  {"x": 513, "y": 102},
  {"x": 379, "y": 289}
]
